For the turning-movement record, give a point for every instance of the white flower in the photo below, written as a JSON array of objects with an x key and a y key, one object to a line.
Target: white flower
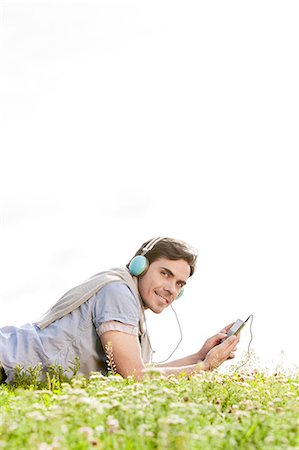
[
  {"x": 113, "y": 425},
  {"x": 99, "y": 429},
  {"x": 64, "y": 428},
  {"x": 166, "y": 391},
  {"x": 35, "y": 415},
  {"x": 173, "y": 419},
  {"x": 44, "y": 446},
  {"x": 148, "y": 433},
  {"x": 143, "y": 428},
  {"x": 97, "y": 376}
]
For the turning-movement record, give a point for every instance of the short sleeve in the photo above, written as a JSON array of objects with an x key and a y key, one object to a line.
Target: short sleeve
[
  {"x": 113, "y": 325},
  {"x": 116, "y": 302}
]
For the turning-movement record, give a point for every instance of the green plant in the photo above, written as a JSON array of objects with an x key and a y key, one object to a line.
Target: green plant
[{"x": 248, "y": 410}]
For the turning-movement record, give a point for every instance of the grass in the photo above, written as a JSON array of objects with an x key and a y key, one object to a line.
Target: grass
[{"x": 247, "y": 410}]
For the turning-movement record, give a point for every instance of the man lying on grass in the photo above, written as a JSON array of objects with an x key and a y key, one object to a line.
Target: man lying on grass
[{"x": 107, "y": 310}]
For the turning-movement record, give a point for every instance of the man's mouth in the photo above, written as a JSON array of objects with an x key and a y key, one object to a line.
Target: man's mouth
[{"x": 161, "y": 297}]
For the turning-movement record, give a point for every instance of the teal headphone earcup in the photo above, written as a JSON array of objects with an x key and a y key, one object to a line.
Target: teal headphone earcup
[
  {"x": 180, "y": 294},
  {"x": 138, "y": 265}
]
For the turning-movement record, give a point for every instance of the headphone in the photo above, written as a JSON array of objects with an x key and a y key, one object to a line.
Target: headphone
[{"x": 139, "y": 264}]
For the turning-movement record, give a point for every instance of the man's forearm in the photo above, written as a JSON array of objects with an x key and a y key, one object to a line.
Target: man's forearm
[
  {"x": 183, "y": 370},
  {"x": 186, "y": 361}
]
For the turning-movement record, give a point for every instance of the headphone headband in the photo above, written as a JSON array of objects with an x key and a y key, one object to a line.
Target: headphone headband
[{"x": 151, "y": 245}]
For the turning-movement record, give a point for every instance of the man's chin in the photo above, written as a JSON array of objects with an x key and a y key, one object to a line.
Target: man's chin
[
  {"x": 158, "y": 309},
  {"x": 154, "y": 307}
]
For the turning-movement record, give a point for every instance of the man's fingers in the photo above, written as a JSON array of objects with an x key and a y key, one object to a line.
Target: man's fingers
[
  {"x": 231, "y": 341},
  {"x": 226, "y": 328},
  {"x": 220, "y": 336},
  {"x": 221, "y": 353}
]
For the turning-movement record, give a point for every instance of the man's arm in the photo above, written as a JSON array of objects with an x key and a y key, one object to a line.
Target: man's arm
[
  {"x": 128, "y": 361},
  {"x": 202, "y": 353},
  {"x": 185, "y": 361},
  {"x": 127, "y": 356},
  {"x": 126, "y": 353}
]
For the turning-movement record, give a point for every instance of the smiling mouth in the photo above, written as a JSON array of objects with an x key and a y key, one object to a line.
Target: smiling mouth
[{"x": 162, "y": 298}]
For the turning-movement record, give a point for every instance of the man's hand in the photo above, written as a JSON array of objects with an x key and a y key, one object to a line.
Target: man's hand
[
  {"x": 222, "y": 352},
  {"x": 212, "y": 342}
]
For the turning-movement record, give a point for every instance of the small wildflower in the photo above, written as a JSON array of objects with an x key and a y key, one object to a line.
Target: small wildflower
[
  {"x": 64, "y": 428},
  {"x": 172, "y": 379},
  {"x": 97, "y": 376},
  {"x": 148, "y": 434},
  {"x": 56, "y": 443},
  {"x": 269, "y": 439},
  {"x": 143, "y": 428},
  {"x": 36, "y": 415},
  {"x": 113, "y": 425},
  {"x": 174, "y": 419},
  {"x": 99, "y": 429},
  {"x": 166, "y": 391},
  {"x": 44, "y": 446}
]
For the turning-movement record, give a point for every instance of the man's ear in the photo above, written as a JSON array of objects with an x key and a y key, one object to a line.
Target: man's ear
[{"x": 138, "y": 265}]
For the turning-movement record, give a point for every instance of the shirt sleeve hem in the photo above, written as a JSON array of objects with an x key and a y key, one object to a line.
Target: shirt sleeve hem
[
  {"x": 113, "y": 325},
  {"x": 112, "y": 317}
]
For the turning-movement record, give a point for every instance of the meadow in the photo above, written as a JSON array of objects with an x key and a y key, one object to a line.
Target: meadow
[{"x": 246, "y": 410}]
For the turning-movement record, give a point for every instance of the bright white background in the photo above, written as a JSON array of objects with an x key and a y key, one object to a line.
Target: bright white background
[{"x": 121, "y": 121}]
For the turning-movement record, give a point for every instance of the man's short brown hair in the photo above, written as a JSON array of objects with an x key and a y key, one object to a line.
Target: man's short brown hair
[{"x": 172, "y": 249}]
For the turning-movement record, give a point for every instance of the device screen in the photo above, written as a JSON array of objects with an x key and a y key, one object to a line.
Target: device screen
[{"x": 236, "y": 328}]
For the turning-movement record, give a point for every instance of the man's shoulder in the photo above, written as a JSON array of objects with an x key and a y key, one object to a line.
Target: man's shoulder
[
  {"x": 116, "y": 301},
  {"x": 116, "y": 287}
]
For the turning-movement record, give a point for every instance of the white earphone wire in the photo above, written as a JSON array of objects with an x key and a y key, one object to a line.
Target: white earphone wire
[
  {"x": 248, "y": 348},
  {"x": 181, "y": 338}
]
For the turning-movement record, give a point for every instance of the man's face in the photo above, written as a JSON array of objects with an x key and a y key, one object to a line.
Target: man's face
[{"x": 162, "y": 282}]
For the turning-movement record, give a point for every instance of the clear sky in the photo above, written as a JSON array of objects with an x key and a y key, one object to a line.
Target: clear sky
[{"x": 121, "y": 121}]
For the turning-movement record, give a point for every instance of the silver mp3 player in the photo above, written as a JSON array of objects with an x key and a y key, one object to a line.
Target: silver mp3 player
[{"x": 236, "y": 328}]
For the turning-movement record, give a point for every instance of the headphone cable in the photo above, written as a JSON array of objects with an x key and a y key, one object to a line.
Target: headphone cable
[
  {"x": 249, "y": 344},
  {"x": 181, "y": 338}
]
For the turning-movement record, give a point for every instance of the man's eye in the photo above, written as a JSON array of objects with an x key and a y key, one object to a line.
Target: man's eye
[{"x": 165, "y": 274}]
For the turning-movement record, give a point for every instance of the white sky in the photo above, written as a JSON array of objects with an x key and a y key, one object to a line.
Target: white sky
[{"x": 121, "y": 121}]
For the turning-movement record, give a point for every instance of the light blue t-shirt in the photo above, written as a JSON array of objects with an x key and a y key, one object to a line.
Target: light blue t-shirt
[{"x": 76, "y": 334}]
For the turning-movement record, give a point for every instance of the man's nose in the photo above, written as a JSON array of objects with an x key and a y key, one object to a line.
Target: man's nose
[{"x": 171, "y": 287}]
